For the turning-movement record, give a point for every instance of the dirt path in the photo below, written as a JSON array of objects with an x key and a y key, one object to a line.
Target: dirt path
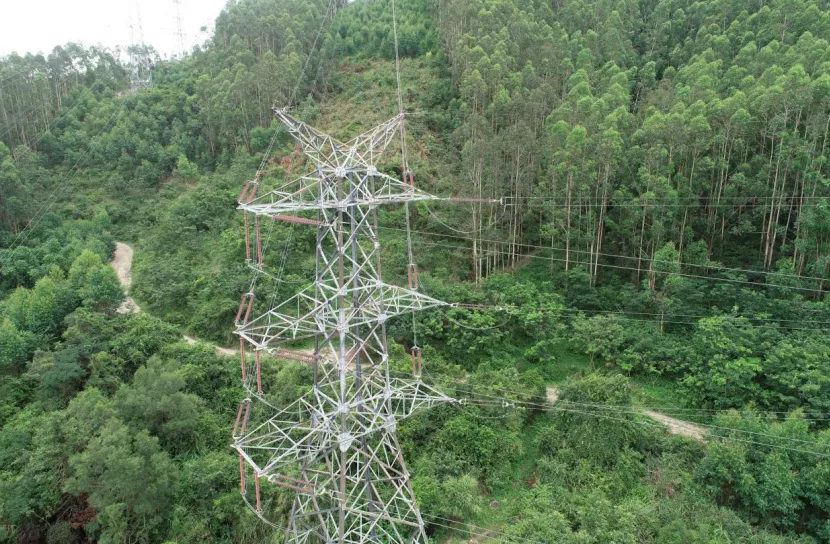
[
  {"x": 228, "y": 352},
  {"x": 675, "y": 426},
  {"x": 122, "y": 263}
]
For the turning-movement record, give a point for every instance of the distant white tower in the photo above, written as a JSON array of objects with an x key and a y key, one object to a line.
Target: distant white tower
[
  {"x": 179, "y": 31},
  {"x": 141, "y": 64}
]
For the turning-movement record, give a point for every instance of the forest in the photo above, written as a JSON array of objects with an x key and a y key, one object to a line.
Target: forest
[{"x": 659, "y": 248}]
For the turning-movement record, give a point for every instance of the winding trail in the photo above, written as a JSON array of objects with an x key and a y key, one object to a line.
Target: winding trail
[
  {"x": 122, "y": 263},
  {"x": 675, "y": 426}
]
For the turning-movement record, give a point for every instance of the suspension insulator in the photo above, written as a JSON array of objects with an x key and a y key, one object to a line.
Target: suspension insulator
[
  {"x": 258, "y": 241},
  {"x": 247, "y": 238},
  {"x": 238, "y": 418},
  {"x": 298, "y": 220},
  {"x": 242, "y": 475},
  {"x": 241, "y": 309},
  {"x": 250, "y": 307},
  {"x": 245, "y": 419},
  {"x": 252, "y": 196},
  {"x": 416, "y": 361},
  {"x": 412, "y": 274},
  {"x": 244, "y": 192},
  {"x": 411, "y": 179},
  {"x": 242, "y": 357},
  {"x": 258, "y": 499},
  {"x": 304, "y": 483},
  {"x": 300, "y": 486},
  {"x": 294, "y": 355},
  {"x": 258, "y": 372}
]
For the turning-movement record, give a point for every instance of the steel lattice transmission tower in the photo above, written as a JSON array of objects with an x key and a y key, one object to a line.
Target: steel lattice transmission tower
[
  {"x": 140, "y": 62},
  {"x": 338, "y": 441},
  {"x": 179, "y": 30}
]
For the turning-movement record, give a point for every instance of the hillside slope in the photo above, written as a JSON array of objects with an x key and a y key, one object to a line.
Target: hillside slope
[{"x": 660, "y": 246}]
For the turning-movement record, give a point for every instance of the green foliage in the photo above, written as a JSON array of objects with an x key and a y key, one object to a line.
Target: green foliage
[
  {"x": 186, "y": 169},
  {"x": 96, "y": 284},
  {"x": 456, "y": 497},
  {"x": 15, "y": 347},
  {"x": 734, "y": 363},
  {"x": 155, "y": 401},
  {"x": 41, "y": 310},
  {"x": 208, "y": 506},
  {"x": 365, "y": 30},
  {"x": 144, "y": 336},
  {"x": 662, "y": 168},
  {"x": 30, "y": 486},
  {"x": 130, "y": 481},
  {"x": 463, "y": 445},
  {"x": 549, "y": 514},
  {"x": 778, "y": 486},
  {"x": 599, "y": 438}
]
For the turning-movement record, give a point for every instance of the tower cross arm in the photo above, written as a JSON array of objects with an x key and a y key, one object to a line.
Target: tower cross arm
[
  {"x": 294, "y": 319},
  {"x": 301, "y": 316},
  {"x": 302, "y": 431},
  {"x": 317, "y": 190},
  {"x": 325, "y": 150}
]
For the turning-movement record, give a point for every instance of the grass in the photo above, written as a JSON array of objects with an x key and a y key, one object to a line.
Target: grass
[
  {"x": 520, "y": 478},
  {"x": 564, "y": 364},
  {"x": 656, "y": 392},
  {"x": 652, "y": 391}
]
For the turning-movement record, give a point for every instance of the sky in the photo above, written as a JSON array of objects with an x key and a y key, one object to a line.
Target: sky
[{"x": 39, "y": 25}]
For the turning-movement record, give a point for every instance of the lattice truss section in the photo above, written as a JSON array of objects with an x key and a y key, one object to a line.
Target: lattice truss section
[{"x": 335, "y": 446}]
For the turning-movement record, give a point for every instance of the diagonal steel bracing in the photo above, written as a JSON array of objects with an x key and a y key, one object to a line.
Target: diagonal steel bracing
[{"x": 336, "y": 445}]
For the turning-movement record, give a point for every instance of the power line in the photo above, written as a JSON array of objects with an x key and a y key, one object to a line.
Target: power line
[
  {"x": 555, "y": 407},
  {"x": 618, "y": 410},
  {"x": 504, "y": 402},
  {"x": 486, "y": 532},
  {"x": 732, "y": 438},
  {"x": 655, "y": 202},
  {"x": 743, "y": 200},
  {"x": 331, "y": 7},
  {"x": 36, "y": 138},
  {"x": 52, "y": 198},
  {"x": 605, "y": 265},
  {"x": 655, "y": 408},
  {"x": 260, "y": 171},
  {"x": 628, "y": 257},
  {"x": 556, "y": 310},
  {"x": 25, "y": 114},
  {"x": 25, "y": 71},
  {"x": 664, "y": 318},
  {"x": 179, "y": 25},
  {"x": 656, "y": 198}
]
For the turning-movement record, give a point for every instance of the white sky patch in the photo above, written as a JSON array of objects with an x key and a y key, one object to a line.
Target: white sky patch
[{"x": 32, "y": 26}]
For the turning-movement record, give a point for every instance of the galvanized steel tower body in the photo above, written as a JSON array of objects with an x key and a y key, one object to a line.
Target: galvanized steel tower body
[{"x": 340, "y": 438}]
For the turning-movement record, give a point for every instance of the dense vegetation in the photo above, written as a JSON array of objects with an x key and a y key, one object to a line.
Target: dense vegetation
[{"x": 663, "y": 240}]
